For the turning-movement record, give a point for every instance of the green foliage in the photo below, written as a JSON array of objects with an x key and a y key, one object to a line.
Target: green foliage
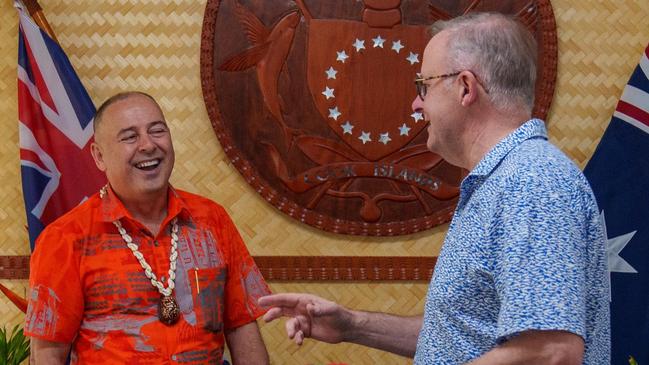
[{"x": 15, "y": 348}]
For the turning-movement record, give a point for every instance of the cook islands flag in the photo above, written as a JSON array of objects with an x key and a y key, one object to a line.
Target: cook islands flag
[{"x": 55, "y": 126}]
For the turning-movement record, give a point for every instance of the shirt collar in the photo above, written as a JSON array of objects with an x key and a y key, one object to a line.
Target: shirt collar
[
  {"x": 533, "y": 128},
  {"x": 113, "y": 209}
]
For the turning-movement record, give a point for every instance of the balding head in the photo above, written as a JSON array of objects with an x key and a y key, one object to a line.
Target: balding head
[
  {"x": 133, "y": 146},
  {"x": 499, "y": 50},
  {"x": 114, "y": 99}
]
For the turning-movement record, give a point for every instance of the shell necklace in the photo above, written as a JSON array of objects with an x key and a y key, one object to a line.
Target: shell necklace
[{"x": 168, "y": 310}]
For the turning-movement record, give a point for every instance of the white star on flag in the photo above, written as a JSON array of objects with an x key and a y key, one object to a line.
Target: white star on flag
[
  {"x": 417, "y": 116},
  {"x": 347, "y": 127},
  {"x": 614, "y": 246},
  {"x": 413, "y": 58},
  {"x": 359, "y": 44},
  {"x": 378, "y": 41},
  {"x": 334, "y": 113},
  {"x": 385, "y": 138},
  {"x": 396, "y": 46},
  {"x": 403, "y": 130},
  {"x": 331, "y": 73},
  {"x": 342, "y": 56},
  {"x": 365, "y": 137},
  {"x": 328, "y": 92}
]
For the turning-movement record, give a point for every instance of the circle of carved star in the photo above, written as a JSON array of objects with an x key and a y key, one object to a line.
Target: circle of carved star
[{"x": 329, "y": 92}]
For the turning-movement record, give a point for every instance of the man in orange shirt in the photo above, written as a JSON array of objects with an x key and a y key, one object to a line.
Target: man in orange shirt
[{"x": 141, "y": 272}]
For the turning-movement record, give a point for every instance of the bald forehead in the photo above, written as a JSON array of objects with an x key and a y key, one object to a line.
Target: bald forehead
[
  {"x": 435, "y": 52},
  {"x": 116, "y": 99},
  {"x": 438, "y": 42},
  {"x": 125, "y": 112},
  {"x": 130, "y": 101}
]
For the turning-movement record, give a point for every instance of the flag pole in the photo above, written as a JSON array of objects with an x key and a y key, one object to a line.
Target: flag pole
[{"x": 36, "y": 12}]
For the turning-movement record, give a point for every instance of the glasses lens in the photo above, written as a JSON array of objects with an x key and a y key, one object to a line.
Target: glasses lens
[{"x": 421, "y": 89}]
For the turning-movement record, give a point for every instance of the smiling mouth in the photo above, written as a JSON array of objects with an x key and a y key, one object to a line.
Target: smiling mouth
[{"x": 148, "y": 165}]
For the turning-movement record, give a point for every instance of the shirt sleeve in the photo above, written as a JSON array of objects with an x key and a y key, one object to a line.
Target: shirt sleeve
[
  {"x": 540, "y": 261},
  {"x": 245, "y": 284},
  {"x": 55, "y": 300}
]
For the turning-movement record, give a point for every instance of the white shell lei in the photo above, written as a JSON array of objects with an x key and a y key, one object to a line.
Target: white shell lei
[{"x": 145, "y": 265}]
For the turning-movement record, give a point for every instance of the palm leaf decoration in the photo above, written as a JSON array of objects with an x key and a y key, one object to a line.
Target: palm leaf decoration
[{"x": 14, "y": 348}]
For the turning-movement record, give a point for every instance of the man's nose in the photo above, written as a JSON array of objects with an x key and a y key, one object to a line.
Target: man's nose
[
  {"x": 417, "y": 104},
  {"x": 146, "y": 143}
]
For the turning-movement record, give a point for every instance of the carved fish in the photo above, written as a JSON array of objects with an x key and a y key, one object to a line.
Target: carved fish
[{"x": 268, "y": 54}]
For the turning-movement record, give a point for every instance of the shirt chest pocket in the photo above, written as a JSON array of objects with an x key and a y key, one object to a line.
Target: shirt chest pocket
[{"x": 208, "y": 293}]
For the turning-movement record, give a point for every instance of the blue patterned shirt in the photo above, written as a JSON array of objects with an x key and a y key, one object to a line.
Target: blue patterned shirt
[{"x": 525, "y": 251}]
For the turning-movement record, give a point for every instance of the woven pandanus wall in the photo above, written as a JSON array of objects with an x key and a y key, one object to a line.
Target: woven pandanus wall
[{"x": 154, "y": 46}]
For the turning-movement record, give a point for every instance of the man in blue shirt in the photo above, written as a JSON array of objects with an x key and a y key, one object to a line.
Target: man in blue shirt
[{"x": 522, "y": 275}]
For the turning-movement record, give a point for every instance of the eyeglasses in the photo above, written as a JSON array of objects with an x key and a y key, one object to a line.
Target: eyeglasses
[{"x": 422, "y": 88}]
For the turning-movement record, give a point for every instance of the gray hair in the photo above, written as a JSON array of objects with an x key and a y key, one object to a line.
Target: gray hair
[
  {"x": 499, "y": 50},
  {"x": 115, "y": 98}
]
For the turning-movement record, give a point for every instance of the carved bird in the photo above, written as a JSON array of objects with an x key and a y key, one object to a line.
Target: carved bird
[{"x": 268, "y": 54}]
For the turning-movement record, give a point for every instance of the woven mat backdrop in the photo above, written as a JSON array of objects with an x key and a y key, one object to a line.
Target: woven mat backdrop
[{"x": 154, "y": 46}]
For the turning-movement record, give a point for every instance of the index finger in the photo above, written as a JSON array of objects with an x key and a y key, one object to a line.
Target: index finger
[{"x": 280, "y": 300}]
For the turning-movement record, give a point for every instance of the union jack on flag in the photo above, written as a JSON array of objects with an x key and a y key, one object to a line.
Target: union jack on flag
[
  {"x": 55, "y": 126},
  {"x": 618, "y": 173}
]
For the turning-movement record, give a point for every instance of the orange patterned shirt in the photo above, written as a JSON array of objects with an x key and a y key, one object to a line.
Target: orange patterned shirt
[{"x": 87, "y": 288}]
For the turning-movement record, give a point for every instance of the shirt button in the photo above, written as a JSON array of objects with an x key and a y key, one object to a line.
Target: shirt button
[{"x": 155, "y": 243}]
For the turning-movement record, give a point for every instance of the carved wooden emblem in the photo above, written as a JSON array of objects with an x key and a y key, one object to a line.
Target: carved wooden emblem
[{"x": 311, "y": 102}]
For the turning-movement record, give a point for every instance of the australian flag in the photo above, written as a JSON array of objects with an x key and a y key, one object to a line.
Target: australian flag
[
  {"x": 619, "y": 175},
  {"x": 55, "y": 126}
]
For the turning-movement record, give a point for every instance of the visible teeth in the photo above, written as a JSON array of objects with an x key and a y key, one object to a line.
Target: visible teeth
[{"x": 147, "y": 163}]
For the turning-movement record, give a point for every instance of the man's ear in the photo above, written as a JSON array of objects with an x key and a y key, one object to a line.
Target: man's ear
[
  {"x": 98, "y": 156},
  {"x": 468, "y": 88}
]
